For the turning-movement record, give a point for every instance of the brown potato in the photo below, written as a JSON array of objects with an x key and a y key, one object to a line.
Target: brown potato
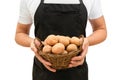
[
  {"x": 65, "y": 52},
  {"x": 58, "y": 48},
  {"x": 75, "y": 40},
  {"x": 71, "y": 47},
  {"x": 51, "y": 40},
  {"x": 47, "y": 49},
  {"x": 64, "y": 40},
  {"x": 68, "y": 38}
]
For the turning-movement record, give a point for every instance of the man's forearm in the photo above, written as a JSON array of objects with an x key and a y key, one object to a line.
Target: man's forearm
[
  {"x": 23, "y": 39},
  {"x": 97, "y": 37}
]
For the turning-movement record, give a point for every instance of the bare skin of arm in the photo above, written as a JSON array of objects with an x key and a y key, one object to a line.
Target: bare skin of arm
[
  {"x": 99, "y": 31},
  {"x": 22, "y": 35},
  {"x": 22, "y": 38},
  {"x": 99, "y": 35}
]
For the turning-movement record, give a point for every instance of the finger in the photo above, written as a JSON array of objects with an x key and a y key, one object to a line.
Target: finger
[
  {"x": 46, "y": 64},
  {"x": 76, "y": 63},
  {"x": 73, "y": 64},
  {"x": 50, "y": 69},
  {"x": 83, "y": 54},
  {"x": 37, "y": 43},
  {"x": 70, "y": 66},
  {"x": 32, "y": 46},
  {"x": 34, "y": 49},
  {"x": 77, "y": 58},
  {"x": 80, "y": 57},
  {"x": 85, "y": 43},
  {"x": 42, "y": 60}
]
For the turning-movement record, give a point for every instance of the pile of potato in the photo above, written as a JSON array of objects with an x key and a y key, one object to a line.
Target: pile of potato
[{"x": 58, "y": 44}]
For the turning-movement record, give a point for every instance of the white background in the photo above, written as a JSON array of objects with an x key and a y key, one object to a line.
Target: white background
[{"x": 16, "y": 61}]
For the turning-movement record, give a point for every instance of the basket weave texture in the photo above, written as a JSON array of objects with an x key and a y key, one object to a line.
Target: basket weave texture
[{"x": 60, "y": 61}]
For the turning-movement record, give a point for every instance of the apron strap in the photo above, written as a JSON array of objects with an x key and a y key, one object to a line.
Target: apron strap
[
  {"x": 42, "y": 1},
  {"x": 81, "y": 1}
]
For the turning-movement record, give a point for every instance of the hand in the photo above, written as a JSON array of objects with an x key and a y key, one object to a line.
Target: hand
[
  {"x": 34, "y": 46},
  {"x": 78, "y": 60}
]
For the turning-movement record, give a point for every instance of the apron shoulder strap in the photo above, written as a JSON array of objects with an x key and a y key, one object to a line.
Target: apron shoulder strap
[
  {"x": 81, "y": 1},
  {"x": 42, "y": 1}
]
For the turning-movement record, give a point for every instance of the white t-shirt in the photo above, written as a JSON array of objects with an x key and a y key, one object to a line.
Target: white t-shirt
[{"x": 28, "y": 8}]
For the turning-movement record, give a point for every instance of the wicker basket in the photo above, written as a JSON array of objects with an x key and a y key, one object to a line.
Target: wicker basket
[{"x": 60, "y": 61}]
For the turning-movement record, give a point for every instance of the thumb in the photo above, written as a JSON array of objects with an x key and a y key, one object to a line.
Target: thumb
[
  {"x": 85, "y": 43},
  {"x": 83, "y": 46},
  {"x": 37, "y": 43}
]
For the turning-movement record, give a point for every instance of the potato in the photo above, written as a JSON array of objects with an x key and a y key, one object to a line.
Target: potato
[
  {"x": 65, "y": 52},
  {"x": 75, "y": 40},
  {"x": 64, "y": 40},
  {"x": 58, "y": 48},
  {"x": 71, "y": 47},
  {"x": 68, "y": 38},
  {"x": 51, "y": 40},
  {"x": 47, "y": 49}
]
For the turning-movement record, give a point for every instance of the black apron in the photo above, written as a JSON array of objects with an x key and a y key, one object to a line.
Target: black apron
[{"x": 60, "y": 19}]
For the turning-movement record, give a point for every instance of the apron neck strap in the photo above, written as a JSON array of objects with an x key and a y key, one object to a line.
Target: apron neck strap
[
  {"x": 42, "y": 1},
  {"x": 81, "y": 1}
]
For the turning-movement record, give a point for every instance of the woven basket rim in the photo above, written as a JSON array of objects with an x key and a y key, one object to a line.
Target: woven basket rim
[{"x": 52, "y": 54}]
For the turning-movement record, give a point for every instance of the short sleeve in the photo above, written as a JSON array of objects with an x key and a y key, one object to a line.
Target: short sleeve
[
  {"x": 96, "y": 10},
  {"x": 24, "y": 14}
]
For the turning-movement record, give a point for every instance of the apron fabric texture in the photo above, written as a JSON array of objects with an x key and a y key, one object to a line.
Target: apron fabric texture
[{"x": 60, "y": 19}]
